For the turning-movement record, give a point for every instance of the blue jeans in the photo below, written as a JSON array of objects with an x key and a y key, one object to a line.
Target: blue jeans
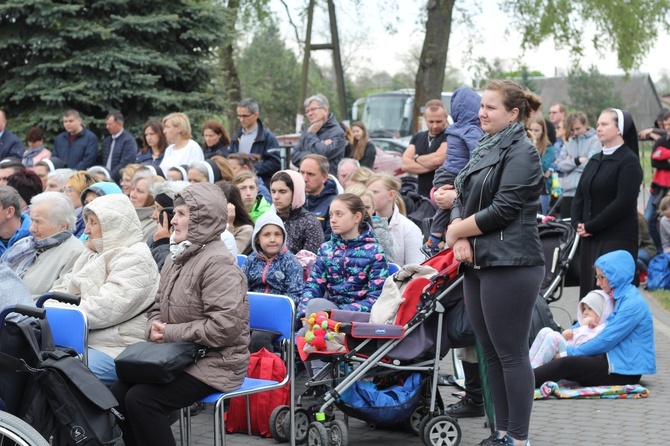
[
  {"x": 651, "y": 215},
  {"x": 102, "y": 365}
]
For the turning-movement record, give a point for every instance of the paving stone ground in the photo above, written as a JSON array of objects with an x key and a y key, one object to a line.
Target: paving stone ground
[{"x": 554, "y": 422}]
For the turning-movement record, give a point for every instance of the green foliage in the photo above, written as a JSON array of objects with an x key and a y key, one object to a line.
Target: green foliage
[
  {"x": 145, "y": 59},
  {"x": 485, "y": 71},
  {"x": 591, "y": 92},
  {"x": 629, "y": 27},
  {"x": 270, "y": 73}
]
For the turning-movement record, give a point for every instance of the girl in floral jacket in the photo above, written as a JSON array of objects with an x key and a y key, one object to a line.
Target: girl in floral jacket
[{"x": 351, "y": 267}]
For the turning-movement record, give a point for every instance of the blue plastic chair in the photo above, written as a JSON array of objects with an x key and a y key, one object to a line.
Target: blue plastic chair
[
  {"x": 266, "y": 312},
  {"x": 241, "y": 258},
  {"x": 393, "y": 268},
  {"x": 69, "y": 325}
]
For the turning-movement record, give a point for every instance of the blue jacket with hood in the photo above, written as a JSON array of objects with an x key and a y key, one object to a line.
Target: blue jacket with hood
[
  {"x": 23, "y": 231},
  {"x": 281, "y": 274},
  {"x": 464, "y": 133},
  {"x": 628, "y": 337}
]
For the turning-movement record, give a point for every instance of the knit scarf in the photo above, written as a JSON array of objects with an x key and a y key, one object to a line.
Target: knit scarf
[
  {"x": 23, "y": 253},
  {"x": 177, "y": 249},
  {"x": 484, "y": 146}
]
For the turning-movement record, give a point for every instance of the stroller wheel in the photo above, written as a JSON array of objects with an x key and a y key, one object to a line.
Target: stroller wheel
[
  {"x": 277, "y": 423},
  {"x": 302, "y": 420},
  {"x": 442, "y": 431},
  {"x": 338, "y": 433},
  {"x": 317, "y": 435},
  {"x": 413, "y": 423}
]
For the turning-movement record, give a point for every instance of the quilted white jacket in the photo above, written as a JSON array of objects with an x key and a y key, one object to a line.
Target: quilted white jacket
[{"x": 117, "y": 284}]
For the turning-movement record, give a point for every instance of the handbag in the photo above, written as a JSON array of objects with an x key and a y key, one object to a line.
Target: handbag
[
  {"x": 459, "y": 328},
  {"x": 156, "y": 363}
]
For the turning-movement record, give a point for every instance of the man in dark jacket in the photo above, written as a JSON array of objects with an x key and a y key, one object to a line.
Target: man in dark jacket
[
  {"x": 10, "y": 145},
  {"x": 324, "y": 135},
  {"x": 320, "y": 189},
  {"x": 119, "y": 149},
  {"x": 76, "y": 146},
  {"x": 256, "y": 141}
]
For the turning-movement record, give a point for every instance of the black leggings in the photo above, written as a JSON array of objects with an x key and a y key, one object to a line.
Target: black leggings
[
  {"x": 586, "y": 370},
  {"x": 147, "y": 406},
  {"x": 500, "y": 303}
]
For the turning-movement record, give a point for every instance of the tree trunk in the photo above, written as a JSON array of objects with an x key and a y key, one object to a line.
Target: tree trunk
[
  {"x": 231, "y": 77},
  {"x": 433, "y": 61}
]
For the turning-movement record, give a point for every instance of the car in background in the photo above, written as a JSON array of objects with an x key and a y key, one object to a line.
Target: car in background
[{"x": 389, "y": 154}]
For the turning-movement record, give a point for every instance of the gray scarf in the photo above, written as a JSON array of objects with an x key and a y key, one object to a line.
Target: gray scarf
[
  {"x": 484, "y": 146},
  {"x": 23, "y": 253}
]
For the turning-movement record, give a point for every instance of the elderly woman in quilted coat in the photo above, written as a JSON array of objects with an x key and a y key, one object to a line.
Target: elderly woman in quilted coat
[
  {"x": 117, "y": 279},
  {"x": 201, "y": 298}
]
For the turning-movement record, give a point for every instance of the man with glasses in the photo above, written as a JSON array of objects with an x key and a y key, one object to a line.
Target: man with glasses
[
  {"x": 256, "y": 141},
  {"x": 324, "y": 136}
]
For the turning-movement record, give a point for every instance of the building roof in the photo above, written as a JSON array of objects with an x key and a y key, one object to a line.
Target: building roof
[{"x": 637, "y": 91}]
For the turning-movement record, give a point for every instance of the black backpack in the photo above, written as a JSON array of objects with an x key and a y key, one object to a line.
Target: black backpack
[{"x": 62, "y": 400}]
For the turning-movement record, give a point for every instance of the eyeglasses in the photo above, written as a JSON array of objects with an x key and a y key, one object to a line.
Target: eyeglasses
[
  {"x": 600, "y": 277},
  {"x": 310, "y": 110},
  {"x": 243, "y": 116}
]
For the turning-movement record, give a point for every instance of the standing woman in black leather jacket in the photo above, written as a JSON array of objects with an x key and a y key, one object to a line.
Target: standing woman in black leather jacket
[{"x": 493, "y": 233}]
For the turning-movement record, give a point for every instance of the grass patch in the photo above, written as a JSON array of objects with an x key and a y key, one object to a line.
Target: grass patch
[{"x": 662, "y": 297}]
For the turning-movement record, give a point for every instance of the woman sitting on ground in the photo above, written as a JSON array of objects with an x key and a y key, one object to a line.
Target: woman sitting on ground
[
  {"x": 116, "y": 278},
  {"x": 624, "y": 350},
  {"x": 201, "y": 298},
  {"x": 50, "y": 252}
]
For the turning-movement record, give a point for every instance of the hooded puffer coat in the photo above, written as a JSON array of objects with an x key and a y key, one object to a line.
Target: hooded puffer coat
[
  {"x": 118, "y": 281},
  {"x": 203, "y": 294}
]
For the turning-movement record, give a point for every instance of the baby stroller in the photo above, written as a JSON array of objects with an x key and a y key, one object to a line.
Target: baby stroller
[
  {"x": 560, "y": 244},
  {"x": 410, "y": 348}
]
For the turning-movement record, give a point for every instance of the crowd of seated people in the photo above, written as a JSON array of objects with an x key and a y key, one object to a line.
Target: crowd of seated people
[{"x": 138, "y": 240}]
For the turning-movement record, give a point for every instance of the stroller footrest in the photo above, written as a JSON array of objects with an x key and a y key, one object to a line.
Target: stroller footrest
[{"x": 376, "y": 331}]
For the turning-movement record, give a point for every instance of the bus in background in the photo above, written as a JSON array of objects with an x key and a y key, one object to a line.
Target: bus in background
[{"x": 389, "y": 114}]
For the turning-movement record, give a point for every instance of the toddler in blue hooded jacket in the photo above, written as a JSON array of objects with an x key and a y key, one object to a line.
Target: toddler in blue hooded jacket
[{"x": 462, "y": 137}]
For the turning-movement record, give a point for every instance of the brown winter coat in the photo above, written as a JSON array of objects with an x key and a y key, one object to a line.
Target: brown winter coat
[{"x": 202, "y": 294}]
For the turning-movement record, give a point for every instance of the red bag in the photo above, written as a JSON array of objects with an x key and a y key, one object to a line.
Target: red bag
[{"x": 262, "y": 365}]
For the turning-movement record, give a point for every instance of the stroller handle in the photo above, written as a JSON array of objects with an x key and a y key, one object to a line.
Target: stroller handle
[
  {"x": 26, "y": 310},
  {"x": 60, "y": 297}
]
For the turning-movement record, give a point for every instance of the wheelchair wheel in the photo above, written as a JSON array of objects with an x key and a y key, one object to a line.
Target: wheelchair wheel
[
  {"x": 338, "y": 433},
  {"x": 302, "y": 420},
  {"x": 16, "y": 432},
  {"x": 317, "y": 435},
  {"x": 277, "y": 424},
  {"x": 442, "y": 431}
]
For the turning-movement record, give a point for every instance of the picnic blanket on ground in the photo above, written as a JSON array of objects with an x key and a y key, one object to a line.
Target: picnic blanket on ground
[{"x": 552, "y": 390}]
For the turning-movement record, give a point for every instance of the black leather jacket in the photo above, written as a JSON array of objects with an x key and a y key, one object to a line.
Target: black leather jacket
[{"x": 503, "y": 194}]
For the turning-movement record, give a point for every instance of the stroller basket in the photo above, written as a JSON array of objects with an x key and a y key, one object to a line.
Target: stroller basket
[{"x": 390, "y": 406}]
